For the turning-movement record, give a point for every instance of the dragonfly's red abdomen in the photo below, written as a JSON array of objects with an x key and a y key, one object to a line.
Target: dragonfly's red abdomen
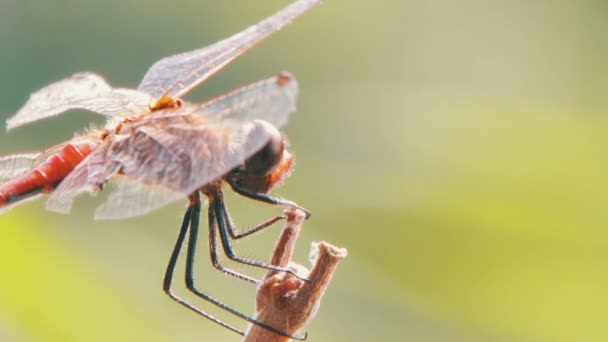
[{"x": 45, "y": 177}]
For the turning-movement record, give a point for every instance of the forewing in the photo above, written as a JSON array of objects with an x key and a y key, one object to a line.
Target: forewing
[
  {"x": 176, "y": 75},
  {"x": 120, "y": 101},
  {"x": 272, "y": 100},
  {"x": 83, "y": 90}
]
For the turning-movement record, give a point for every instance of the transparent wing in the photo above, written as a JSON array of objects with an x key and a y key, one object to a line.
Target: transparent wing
[
  {"x": 76, "y": 183},
  {"x": 88, "y": 176},
  {"x": 130, "y": 199},
  {"x": 180, "y": 157},
  {"x": 172, "y": 153},
  {"x": 176, "y": 75},
  {"x": 83, "y": 90},
  {"x": 271, "y": 100},
  {"x": 187, "y": 153},
  {"x": 119, "y": 101},
  {"x": 16, "y": 165}
]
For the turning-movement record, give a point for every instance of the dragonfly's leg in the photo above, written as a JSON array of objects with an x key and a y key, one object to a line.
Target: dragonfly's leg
[
  {"x": 269, "y": 199},
  {"x": 168, "y": 279},
  {"x": 234, "y": 233},
  {"x": 213, "y": 247},
  {"x": 194, "y": 222},
  {"x": 221, "y": 215}
]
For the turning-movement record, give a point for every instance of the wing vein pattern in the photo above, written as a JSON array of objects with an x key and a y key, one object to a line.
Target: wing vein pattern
[
  {"x": 176, "y": 75},
  {"x": 84, "y": 90},
  {"x": 171, "y": 153}
]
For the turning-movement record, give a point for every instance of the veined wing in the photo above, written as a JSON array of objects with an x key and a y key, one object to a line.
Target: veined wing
[
  {"x": 130, "y": 198},
  {"x": 271, "y": 100},
  {"x": 88, "y": 176},
  {"x": 83, "y": 90},
  {"x": 174, "y": 76},
  {"x": 16, "y": 165},
  {"x": 174, "y": 152}
]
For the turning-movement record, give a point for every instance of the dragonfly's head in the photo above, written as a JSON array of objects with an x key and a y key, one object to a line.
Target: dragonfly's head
[{"x": 268, "y": 167}]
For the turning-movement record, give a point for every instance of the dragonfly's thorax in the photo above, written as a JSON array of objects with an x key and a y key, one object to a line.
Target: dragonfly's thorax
[
  {"x": 164, "y": 102},
  {"x": 212, "y": 190},
  {"x": 266, "y": 168}
]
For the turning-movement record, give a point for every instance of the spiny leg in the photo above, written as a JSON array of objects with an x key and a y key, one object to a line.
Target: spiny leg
[
  {"x": 218, "y": 214},
  {"x": 168, "y": 279},
  {"x": 215, "y": 196},
  {"x": 190, "y": 253},
  {"x": 268, "y": 199},
  {"x": 234, "y": 233},
  {"x": 213, "y": 248},
  {"x": 218, "y": 203}
]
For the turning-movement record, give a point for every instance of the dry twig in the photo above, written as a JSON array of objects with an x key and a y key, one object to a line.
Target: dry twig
[{"x": 284, "y": 301}]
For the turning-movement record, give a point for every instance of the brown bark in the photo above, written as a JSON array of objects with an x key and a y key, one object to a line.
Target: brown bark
[{"x": 284, "y": 301}]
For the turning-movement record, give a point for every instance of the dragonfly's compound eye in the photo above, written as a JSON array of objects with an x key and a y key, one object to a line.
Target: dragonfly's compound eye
[
  {"x": 264, "y": 161},
  {"x": 268, "y": 166}
]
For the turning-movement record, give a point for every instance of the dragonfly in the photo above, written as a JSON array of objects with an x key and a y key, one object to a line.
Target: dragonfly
[{"x": 157, "y": 148}]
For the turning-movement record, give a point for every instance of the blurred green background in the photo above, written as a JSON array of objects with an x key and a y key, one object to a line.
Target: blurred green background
[{"x": 456, "y": 148}]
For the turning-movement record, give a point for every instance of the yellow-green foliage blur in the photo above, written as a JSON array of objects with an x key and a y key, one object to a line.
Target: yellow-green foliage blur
[{"x": 458, "y": 149}]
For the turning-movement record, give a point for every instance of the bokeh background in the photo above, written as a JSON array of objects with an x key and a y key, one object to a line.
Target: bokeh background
[{"x": 457, "y": 148}]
